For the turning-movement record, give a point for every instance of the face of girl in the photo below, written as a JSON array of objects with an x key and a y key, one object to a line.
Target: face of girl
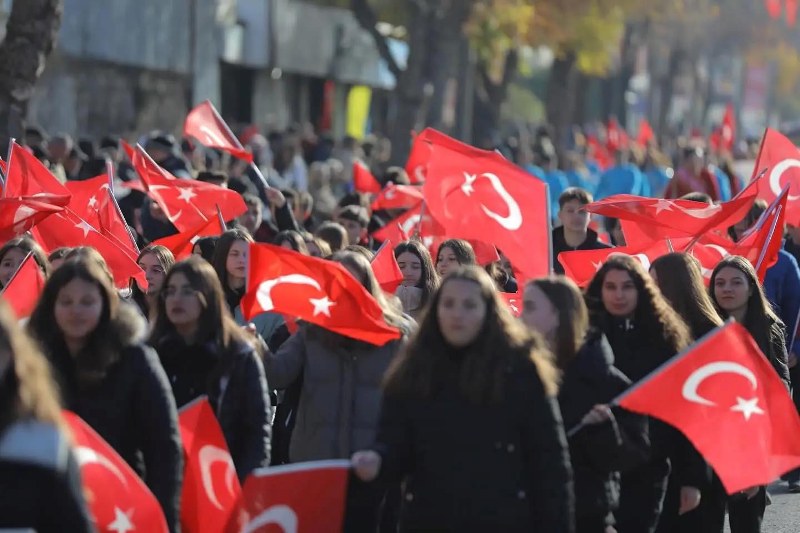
[
  {"x": 538, "y": 312},
  {"x": 447, "y": 261},
  {"x": 10, "y": 263},
  {"x": 411, "y": 267},
  {"x": 731, "y": 290},
  {"x": 619, "y": 293},
  {"x": 153, "y": 272},
  {"x": 182, "y": 303},
  {"x": 461, "y": 312},
  {"x": 236, "y": 264},
  {"x": 78, "y": 307}
]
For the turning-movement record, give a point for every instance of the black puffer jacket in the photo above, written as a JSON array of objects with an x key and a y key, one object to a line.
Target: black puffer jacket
[
  {"x": 599, "y": 452},
  {"x": 469, "y": 467},
  {"x": 236, "y": 387},
  {"x": 132, "y": 408}
]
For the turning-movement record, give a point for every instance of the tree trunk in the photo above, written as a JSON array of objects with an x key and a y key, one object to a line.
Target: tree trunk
[
  {"x": 668, "y": 89},
  {"x": 493, "y": 94},
  {"x": 559, "y": 101},
  {"x": 31, "y": 34}
]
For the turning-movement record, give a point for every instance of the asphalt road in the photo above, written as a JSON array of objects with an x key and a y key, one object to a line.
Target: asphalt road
[{"x": 783, "y": 516}]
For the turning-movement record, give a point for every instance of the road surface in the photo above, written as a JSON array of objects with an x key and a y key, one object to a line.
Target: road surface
[{"x": 783, "y": 516}]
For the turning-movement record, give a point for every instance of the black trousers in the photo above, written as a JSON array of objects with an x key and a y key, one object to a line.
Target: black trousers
[
  {"x": 641, "y": 497},
  {"x": 745, "y": 516}
]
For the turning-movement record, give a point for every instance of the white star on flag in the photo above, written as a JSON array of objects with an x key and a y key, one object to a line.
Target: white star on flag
[
  {"x": 663, "y": 205},
  {"x": 322, "y": 305},
  {"x": 122, "y": 521},
  {"x": 92, "y": 202},
  {"x": 748, "y": 408},
  {"x": 186, "y": 194},
  {"x": 86, "y": 227},
  {"x": 597, "y": 266},
  {"x": 467, "y": 187}
]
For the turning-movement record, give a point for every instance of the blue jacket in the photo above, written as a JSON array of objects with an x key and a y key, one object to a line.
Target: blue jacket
[
  {"x": 782, "y": 288},
  {"x": 622, "y": 179}
]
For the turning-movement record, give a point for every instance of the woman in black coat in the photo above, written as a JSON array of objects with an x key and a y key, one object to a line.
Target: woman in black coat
[
  {"x": 470, "y": 421},
  {"x": 606, "y": 444},
  {"x": 738, "y": 294},
  {"x": 204, "y": 352},
  {"x": 39, "y": 476},
  {"x": 644, "y": 332},
  {"x": 108, "y": 377}
]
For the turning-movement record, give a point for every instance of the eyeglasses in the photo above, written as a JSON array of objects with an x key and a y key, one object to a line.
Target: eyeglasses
[{"x": 183, "y": 292}]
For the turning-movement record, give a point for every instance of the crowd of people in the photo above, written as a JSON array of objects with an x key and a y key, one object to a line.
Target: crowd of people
[{"x": 459, "y": 425}]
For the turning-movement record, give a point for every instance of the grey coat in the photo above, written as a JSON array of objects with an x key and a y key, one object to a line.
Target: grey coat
[{"x": 341, "y": 395}]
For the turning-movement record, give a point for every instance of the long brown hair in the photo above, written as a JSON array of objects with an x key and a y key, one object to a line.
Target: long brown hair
[
  {"x": 216, "y": 323},
  {"x": 680, "y": 280},
  {"x": 573, "y": 316},
  {"x": 27, "y": 389},
  {"x": 422, "y": 366},
  {"x": 653, "y": 316},
  {"x": 165, "y": 258},
  {"x": 223, "y": 247},
  {"x": 103, "y": 347},
  {"x": 429, "y": 278},
  {"x": 29, "y": 246}
]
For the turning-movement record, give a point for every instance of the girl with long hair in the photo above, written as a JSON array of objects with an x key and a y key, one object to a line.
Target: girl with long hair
[
  {"x": 204, "y": 352},
  {"x": 292, "y": 240},
  {"x": 14, "y": 252},
  {"x": 35, "y": 455},
  {"x": 155, "y": 261},
  {"x": 695, "y": 500},
  {"x": 108, "y": 377},
  {"x": 470, "y": 421},
  {"x": 737, "y": 294},
  {"x": 644, "y": 332},
  {"x": 453, "y": 253},
  {"x": 230, "y": 263},
  {"x": 337, "y": 413},
  {"x": 554, "y": 307},
  {"x": 420, "y": 279}
]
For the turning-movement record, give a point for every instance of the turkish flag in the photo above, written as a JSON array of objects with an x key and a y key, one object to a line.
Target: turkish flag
[
  {"x": 728, "y": 128},
  {"x": 23, "y": 290},
  {"x": 397, "y": 197},
  {"x": 616, "y": 137},
  {"x": 181, "y": 244},
  {"x": 363, "y": 180},
  {"x": 599, "y": 153},
  {"x": 27, "y": 177},
  {"x": 724, "y": 390},
  {"x": 646, "y": 134},
  {"x": 386, "y": 269},
  {"x": 477, "y": 194},
  {"x": 118, "y": 500},
  {"x": 415, "y": 221},
  {"x": 18, "y": 215},
  {"x": 67, "y": 229},
  {"x": 782, "y": 159},
  {"x": 418, "y": 157},
  {"x": 210, "y": 486},
  {"x": 514, "y": 302},
  {"x": 581, "y": 265},
  {"x": 204, "y": 124},
  {"x": 300, "y": 498},
  {"x": 316, "y": 290}
]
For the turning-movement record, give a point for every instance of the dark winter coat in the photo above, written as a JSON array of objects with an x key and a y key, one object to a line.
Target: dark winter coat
[
  {"x": 599, "y": 452},
  {"x": 341, "y": 392},
  {"x": 560, "y": 245},
  {"x": 237, "y": 391},
  {"x": 40, "y": 481},
  {"x": 775, "y": 350},
  {"x": 132, "y": 408},
  {"x": 468, "y": 467}
]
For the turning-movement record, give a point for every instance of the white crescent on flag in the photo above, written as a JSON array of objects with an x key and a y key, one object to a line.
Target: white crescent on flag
[
  {"x": 697, "y": 377},
  {"x": 282, "y": 516},
  {"x": 511, "y": 222},
  {"x": 86, "y": 455},
  {"x": 776, "y": 174},
  {"x": 208, "y": 455},
  {"x": 264, "y": 293}
]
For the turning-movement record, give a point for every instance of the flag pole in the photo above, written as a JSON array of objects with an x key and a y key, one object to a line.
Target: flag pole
[
  {"x": 674, "y": 359},
  {"x": 763, "y": 253},
  {"x": 381, "y": 247},
  {"x": 110, "y": 173},
  {"x": 418, "y": 229},
  {"x": 14, "y": 275},
  {"x": 221, "y": 219},
  {"x": 238, "y": 144},
  {"x": 8, "y": 163}
]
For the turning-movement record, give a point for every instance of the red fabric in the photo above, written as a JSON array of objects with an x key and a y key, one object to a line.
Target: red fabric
[
  {"x": 210, "y": 493},
  {"x": 477, "y": 194},
  {"x": 318, "y": 291},
  {"x": 412, "y": 222},
  {"x": 204, "y": 124},
  {"x": 791, "y": 12},
  {"x": 397, "y": 197},
  {"x": 724, "y": 390},
  {"x": 299, "y": 498},
  {"x": 28, "y": 177},
  {"x": 118, "y": 500},
  {"x": 18, "y": 215},
  {"x": 616, "y": 137},
  {"x": 685, "y": 182},
  {"x": 363, "y": 180},
  {"x": 514, "y": 302},
  {"x": 781, "y": 158},
  {"x": 417, "y": 162},
  {"x": 23, "y": 290},
  {"x": 773, "y": 8},
  {"x": 599, "y": 153},
  {"x": 181, "y": 244},
  {"x": 646, "y": 134},
  {"x": 386, "y": 269},
  {"x": 581, "y": 265}
]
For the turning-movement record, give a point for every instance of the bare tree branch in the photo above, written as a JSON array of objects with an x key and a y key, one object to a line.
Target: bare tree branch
[{"x": 368, "y": 20}]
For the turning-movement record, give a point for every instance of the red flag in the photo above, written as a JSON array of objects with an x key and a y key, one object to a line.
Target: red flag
[
  {"x": 791, "y": 12},
  {"x": 397, "y": 197},
  {"x": 210, "y": 492},
  {"x": 418, "y": 158},
  {"x": 599, "y": 153},
  {"x": 514, "y": 301},
  {"x": 477, "y": 194},
  {"x": 363, "y": 180},
  {"x": 318, "y": 291},
  {"x": 782, "y": 158},
  {"x": 616, "y": 137},
  {"x": 204, "y": 124},
  {"x": 28, "y": 177},
  {"x": 23, "y": 290},
  {"x": 18, "y": 215},
  {"x": 723, "y": 389},
  {"x": 773, "y": 8},
  {"x": 412, "y": 222},
  {"x": 67, "y": 229},
  {"x": 728, "y": 129},
  {"x": 582, "y": 265},
  {"x": 645, "y": 135},
  {"x": 118, "y": 500},
  {"x": 386, "y": 269},
  {"x": 181, "y": 244},
  {"x": 300, "y": 498}
]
